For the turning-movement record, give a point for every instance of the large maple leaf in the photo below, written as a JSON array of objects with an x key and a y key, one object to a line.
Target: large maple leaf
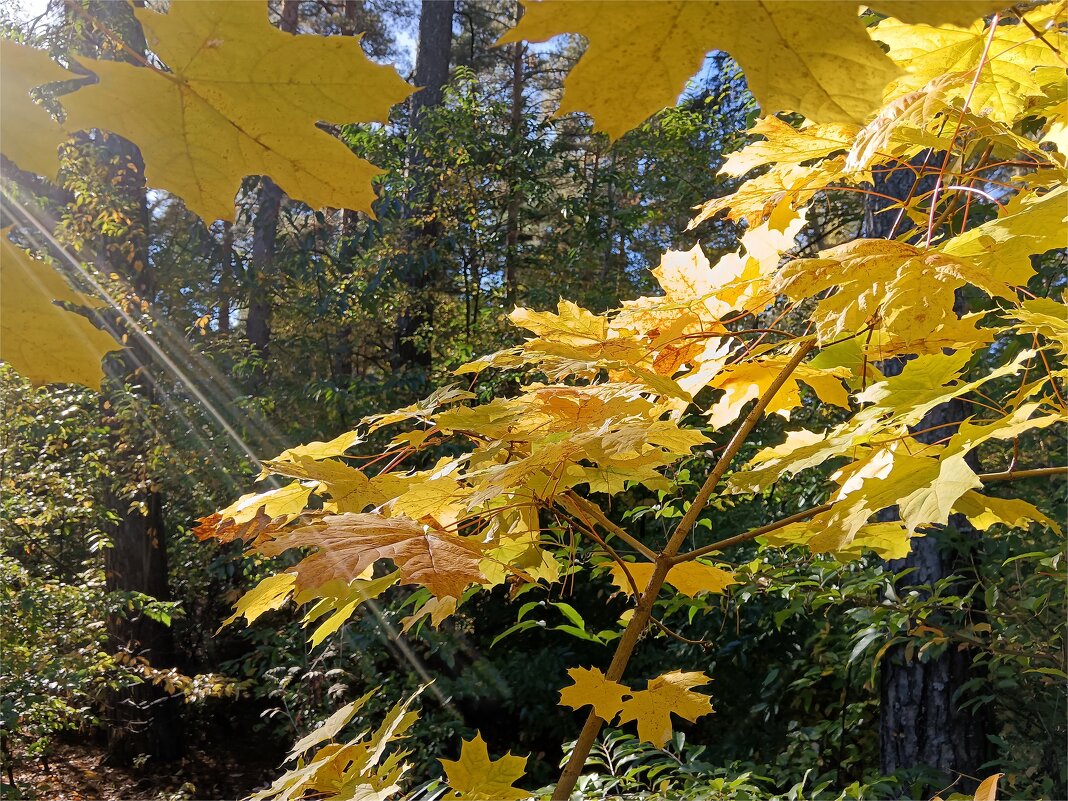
[
  {"x": 811, "y": 57},
  {"x": 348, "y": 544},
  {"x": 29, "y": 134},
  {"x": 42, "y": 341},
  {"x": 240, "y": 97}
]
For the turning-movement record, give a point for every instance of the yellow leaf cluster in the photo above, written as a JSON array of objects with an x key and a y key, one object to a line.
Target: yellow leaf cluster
[
  {"x": 607, "y": 396},
  {"x": 651, "y": 708},
  {"x": 367, "y": 766}
]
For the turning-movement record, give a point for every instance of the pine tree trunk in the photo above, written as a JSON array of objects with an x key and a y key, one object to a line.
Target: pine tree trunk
[
  {"x": 419, "y": 270},
  {"x": 140, "y": 720},
  {"x": 922, "y": 724},
  {"x": 264, "y": 247},
  {"x": 343, "y": 364},
  {"x": 226, "y": 279},
  {"x": 515, "y": 196},
  {"x": 261, "y": 268}
]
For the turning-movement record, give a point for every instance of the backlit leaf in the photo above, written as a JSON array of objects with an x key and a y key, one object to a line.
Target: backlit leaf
[
  {"x": 814, "y": 58},
  {"x": 666, "y": 695},
  {"x": 925, "y": 52},
  {"x": 240, "y": 97},
  {"x": 347, "y": 544},
  {"x": 29, "y": 134},
  {"x": 476, "y": 777},
  {"x": 271, "y": 593},
  {"x": 44, "y": 342}
]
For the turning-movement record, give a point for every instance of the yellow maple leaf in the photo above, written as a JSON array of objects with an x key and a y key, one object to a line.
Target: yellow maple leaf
[
  {"x": 748, "y": 380},
  {"x": 1045, "y": 317},
  {"x": 814, "y": 58},
  {"x": 651, "y": 707},
  {"x": 783, "y": 187},
  {"x": 689, "y": 578},
  {"x": 476, "y": 777},
  {"x": 666, "y": 695},
  {"x": 737, "y": 282},
  {"x": 331, "y": 727},
  {"x": 437, "y": 609},
  {"x": 44, "y": 342},
  {"x": 349, "y": 489},
  {"x": 340, "y": 601},
  {"x": 420, "y": 411},
  {"x": 442, "y": 499},
  {"x": 241, "y": 97},
  {"x": 288, "y": 502},
  {"x": 591, "y": 687},
  {"x": 890, "y": 540},
  {"x": 347, "y": 544},
  {"x": 29, "y": 134},
  {"x": 899, "y": 288},
  {"x": 1031, "y": 225},
  {"x": 785, "y": 144},
  {"x": 271, "y": 593},
  {"x": 900, "y": 129},
  {"x": 983, "y": 511},
  {"x": 321, "y": 450},
  {"x": 1008, "y": 78}
]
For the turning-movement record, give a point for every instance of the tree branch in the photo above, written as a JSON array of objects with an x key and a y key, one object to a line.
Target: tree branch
[
  {"x": 587, "y": 509},
  {"x": 644, "y": 610},
  {"x": 986, "y": 478}
]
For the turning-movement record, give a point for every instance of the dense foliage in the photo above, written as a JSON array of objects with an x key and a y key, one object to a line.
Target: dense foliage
[{"x": 779, "y": 457}]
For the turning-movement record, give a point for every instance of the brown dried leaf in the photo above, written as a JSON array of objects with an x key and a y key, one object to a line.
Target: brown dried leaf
[{"x": 348, "y": 544}]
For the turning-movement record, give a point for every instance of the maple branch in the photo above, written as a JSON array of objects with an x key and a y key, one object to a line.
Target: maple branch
[
  {"x": 750, "y": 535},
  {"x": 737, "y": 539},
  {"x": 644, "y": 611},
  {"x": 1013, "y": 475},
  {"x": 689, "y": 520},
  {"x": 586, "y": 508},
  {"x": 705, "y": 644}
]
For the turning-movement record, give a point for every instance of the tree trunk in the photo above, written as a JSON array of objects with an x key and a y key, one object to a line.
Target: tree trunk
[
  {"x": 226, "y": 278},
  {"x": 264, "y": 247},
  {"x": 261, "y": 268},
  {"x": 141, "y": 720},
  {"x": 420, "y": 269},
  {"x": 922, "y": 724},
  {"x": 342, "y": 362},
  {"x": 515, "y": 196}
]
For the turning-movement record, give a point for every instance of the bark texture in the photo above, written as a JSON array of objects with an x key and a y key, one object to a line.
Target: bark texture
[
  {"x": 411, "y": 348},
  {"x": 515, "y": 192},
  {"x": 140, "y": 720},
  {"x": 922, "y": 724}
]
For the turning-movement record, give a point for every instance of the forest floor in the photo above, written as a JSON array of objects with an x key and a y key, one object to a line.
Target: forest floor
[{"x": 76, "y": 772}]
